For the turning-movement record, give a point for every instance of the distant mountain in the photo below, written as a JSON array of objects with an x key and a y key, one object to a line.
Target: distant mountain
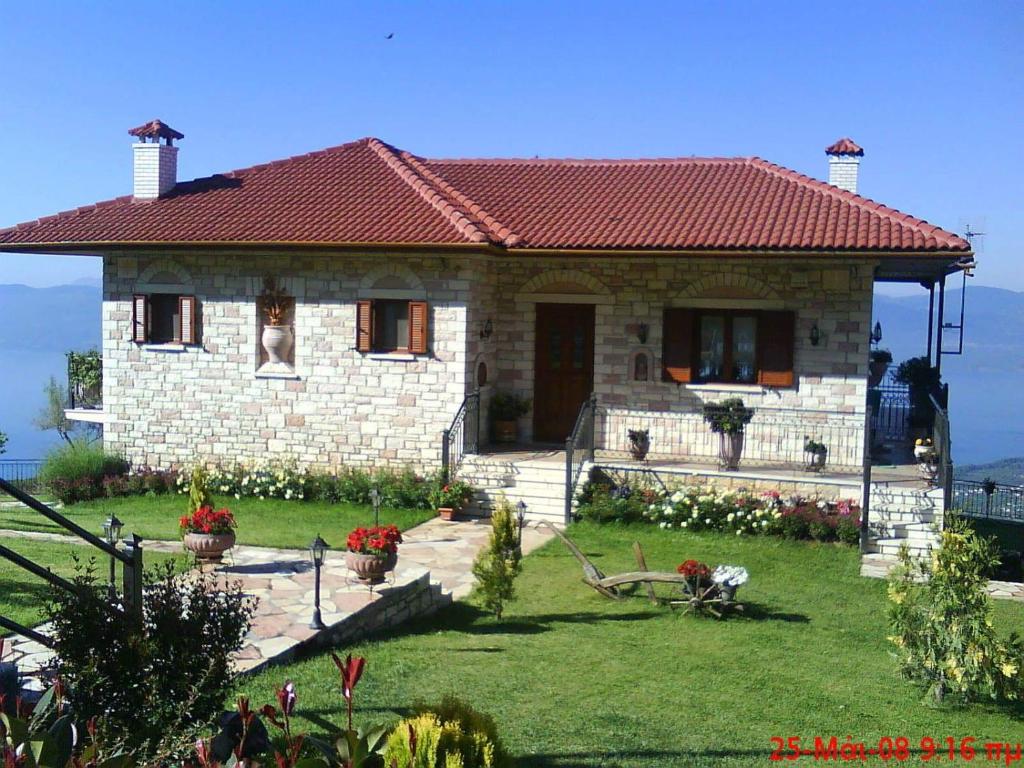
[
  {"x": 1007, "y": 471},
  {"x": 50, "y": 319},
  {"x": 95, "y": 282}
]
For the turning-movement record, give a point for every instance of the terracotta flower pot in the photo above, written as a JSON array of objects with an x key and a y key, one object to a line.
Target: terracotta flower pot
[
  {"x": 370, "y": 568},
  {"x": 730, "y": 450},
  {"x": 505, "y": 431},
  {"x": 446, "y": 513},
  {"x": 209, "y": 547},
  {"x": 277, "y": 340}
]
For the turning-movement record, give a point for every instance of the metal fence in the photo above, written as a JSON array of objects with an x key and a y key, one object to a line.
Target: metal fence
[
  {"x": 21, "y": 473},
  {"x": 579, "y": 449},
  {"x": 891, "y": 409},
  {"x": 463, "y": 436},
  {"x": 989, "y": 500}
]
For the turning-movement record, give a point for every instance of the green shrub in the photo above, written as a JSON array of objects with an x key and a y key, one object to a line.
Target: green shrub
[
  {"x": 75, "y": 472},
  {"x": 498, "y": 564},
  {"x": 155, "y": 685},
  {"x": 941, "y": 621},
  {"x": 453, "y": 735},
  {"x": 848, "y": 530},
  {"x": 199, "y": 495}
]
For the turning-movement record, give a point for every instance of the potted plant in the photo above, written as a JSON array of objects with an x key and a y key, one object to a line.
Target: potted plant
[
  {"x": 729, "y": 578},
  {"x": 639, "y": 443},
  {"x": 817, "y": 454},
  {"x": 878, "y": 364},
  {"x": 448, "y": 498},
  {"x": 372, "y": 552},
  {"x": 505, "y": 409},
  {"x": 921, "y": 379},
  {"x": 208, "y": 533},
  {"x": 728, "y": 419},
  {"x": 277, "y": 336},
  {"x": 927, "y": 460}
]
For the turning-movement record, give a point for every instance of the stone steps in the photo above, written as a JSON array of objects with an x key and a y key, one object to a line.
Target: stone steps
[{"x": 538, "y": 484}]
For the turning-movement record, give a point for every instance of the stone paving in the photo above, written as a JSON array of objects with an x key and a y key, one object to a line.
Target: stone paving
[
  {"x": 876, "y": 566},
  {"x": 437, "y": 553}
]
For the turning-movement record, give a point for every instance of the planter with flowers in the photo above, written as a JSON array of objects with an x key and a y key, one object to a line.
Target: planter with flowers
[
  {"x": 449, "y": 498},
  {"x": 729, "y": 578},
  {"x": 927, "y": 459},
  {"x": 728, "y": 419},
  {"x": 706, "y": 591},
  {"x": 817, "y": 454},
  {"x": 208, "y": 533},
  {"x": 372, "y": 552}
]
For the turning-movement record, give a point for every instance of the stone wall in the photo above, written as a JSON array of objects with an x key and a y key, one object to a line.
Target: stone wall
[{"x": 171, "y": 405}]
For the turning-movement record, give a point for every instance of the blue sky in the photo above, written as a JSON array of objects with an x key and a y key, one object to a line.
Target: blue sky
[{"x": 932, "y": 91}]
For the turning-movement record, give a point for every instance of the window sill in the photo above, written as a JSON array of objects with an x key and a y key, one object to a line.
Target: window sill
[
  {"x": 395, "y": 357},
  {"x": 725, "y": 387},
  {"x": 170, "y": 346}
]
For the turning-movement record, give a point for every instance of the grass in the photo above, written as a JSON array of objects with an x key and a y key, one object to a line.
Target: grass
[
  {"x": 24, "y": 595},
  {"x": 263, "y": 522},
  {"x": 574, "y": 679}
]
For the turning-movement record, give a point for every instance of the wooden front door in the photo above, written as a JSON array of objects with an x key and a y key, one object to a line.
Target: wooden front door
[{"x": 563, "y": 368}]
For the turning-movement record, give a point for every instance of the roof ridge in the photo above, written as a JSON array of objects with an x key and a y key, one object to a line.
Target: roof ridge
[
  {"x": 585, "y": 160},
  {"x": 500, "y": 232},
  {"x": 893, "y": 215},
  {"x": 460, "y": 220}
]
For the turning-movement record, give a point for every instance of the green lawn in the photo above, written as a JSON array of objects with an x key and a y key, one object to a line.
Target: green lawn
[
  {"x": 264, "y": 522},
  {"x": 23, "y": 595},
  {"x": 574, "y": 679}
]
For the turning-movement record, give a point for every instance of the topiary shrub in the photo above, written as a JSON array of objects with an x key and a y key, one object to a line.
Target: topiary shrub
[
  {"x": 941, "y": 621},
  {"x": 452, "y": 735},
  {"x": 498, "y": 564},
  {"x": 75, "y": 472}
]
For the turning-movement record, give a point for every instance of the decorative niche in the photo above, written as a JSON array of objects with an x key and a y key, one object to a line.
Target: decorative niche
[
  {"x": 641, "y": 365},
  {"x": 276, "y": 310}
]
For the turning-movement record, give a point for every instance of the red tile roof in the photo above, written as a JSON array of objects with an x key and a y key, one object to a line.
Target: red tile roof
[
  {"x": 368, "y": 192},
  {"x": 155, "y": 129},
  {"x": 844, "y": 147}
]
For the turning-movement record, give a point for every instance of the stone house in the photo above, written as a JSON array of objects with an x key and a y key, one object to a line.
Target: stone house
[{"x": 411, "y": 284}]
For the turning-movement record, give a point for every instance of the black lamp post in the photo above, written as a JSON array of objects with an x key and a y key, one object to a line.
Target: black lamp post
[
  {"x": 317, "y": 552},
  {"x": 375, "y": 500},
  {"x": 521, "y": 518},
  {"x": 112, "y": 528}
]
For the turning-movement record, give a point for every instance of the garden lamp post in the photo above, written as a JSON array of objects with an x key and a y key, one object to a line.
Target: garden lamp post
[
  {"x": 317, "y": 552},
  {"x": 375, "y": 500},
  {"x": 521, "y": 518},
  {"x": 112, "y": 533}
]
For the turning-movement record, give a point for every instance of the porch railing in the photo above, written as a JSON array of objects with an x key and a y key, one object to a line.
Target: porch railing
[
  {"x": 891, "y": 408},
  {"x": 989, "y": 500},
  {"x": 462, "y": 436},
  {"x": 21, "y": 473},
  {"x": 579, "y": 449},
  {"x": 943, "y": 446},
  {"x": 130, "y": 558}
]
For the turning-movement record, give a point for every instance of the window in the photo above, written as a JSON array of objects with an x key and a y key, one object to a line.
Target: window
[
  {"x": 728, "y": 346},
  {"x": 164, "y": 318},
  {"x": 391, "y": 325}
]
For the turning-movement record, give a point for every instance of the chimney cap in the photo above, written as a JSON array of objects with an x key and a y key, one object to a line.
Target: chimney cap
[
  {"x": 156, "y": 129},
  {"x": 845, "y": 146}
]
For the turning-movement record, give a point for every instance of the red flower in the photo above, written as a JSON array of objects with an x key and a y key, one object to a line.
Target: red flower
[
  {"x": 379, "y": 540},
  {"x": 692, "y": 568}
]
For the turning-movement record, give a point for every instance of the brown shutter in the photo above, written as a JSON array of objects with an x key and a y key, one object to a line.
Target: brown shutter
[
  {"x": 140, "y": 318},
  {"x": 364, "y": 326},
  {"x": 677, "y": 345},
  {"x": 776, "y": 337},
  {"x": 187, "y": 319},
  {"x": 418, "y": 327}
]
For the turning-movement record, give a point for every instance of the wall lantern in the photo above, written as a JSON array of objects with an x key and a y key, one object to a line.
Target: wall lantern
[
  {"x": 815, "y": 335},
  {"x": 317, "y": 552},
  {"x": 487, "y": 330},
  {"x": 641, "y": 332},
  {"x": 521, "y": 519},
  {"x": 876, "y": 333}
]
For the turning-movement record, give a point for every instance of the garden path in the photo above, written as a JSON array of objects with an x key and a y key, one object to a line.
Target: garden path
[
  {"x": 878, "y": 566},
  {"x": 434, "y": 567}
]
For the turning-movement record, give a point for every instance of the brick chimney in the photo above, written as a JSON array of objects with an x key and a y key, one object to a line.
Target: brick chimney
[
  {"x": 844, "y": 164},
  {"x": 155, "y": 160}
]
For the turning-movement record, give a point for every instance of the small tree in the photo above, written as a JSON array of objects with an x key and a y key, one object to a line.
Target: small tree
[
  {"x": 941, "y": 619},
  {"x": 52, "y": 416},
  {"x": 199, "y": 490},
  {"x": 3, "y": 442},
  {"x": 498, "y": 564}
]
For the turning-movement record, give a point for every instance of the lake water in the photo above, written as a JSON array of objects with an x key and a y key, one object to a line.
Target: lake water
[{"x": 21, "y": 399}]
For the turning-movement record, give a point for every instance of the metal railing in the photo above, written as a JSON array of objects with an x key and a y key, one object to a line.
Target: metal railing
[
  {"x": 130, "y": 558},
  {"x": 21, "y": 473},
  {"x": 891, "y": 405},
  {"x": 989, "y": 500},
  {"x": 943, "y": 446},
  {"x": 579, "y": 449},
  {"x": 463, "y": 436}
]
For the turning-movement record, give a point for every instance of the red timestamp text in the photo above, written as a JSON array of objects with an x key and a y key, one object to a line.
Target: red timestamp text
[{"x": 894, "y": 749}]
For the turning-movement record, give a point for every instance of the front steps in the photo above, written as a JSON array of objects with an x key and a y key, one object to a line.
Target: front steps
[
  {"x": 538, "y": 480},
  {"x": 902, "y": 515}
]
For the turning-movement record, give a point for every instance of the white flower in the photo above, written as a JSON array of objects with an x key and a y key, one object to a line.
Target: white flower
[
  {"x": 707, "y": 521},
  {"x": 739, "y": 532},
  {"x": 662, "y": 524},
  {"x": 730, "y": 575},
  {"x": 731, "y": 516}
]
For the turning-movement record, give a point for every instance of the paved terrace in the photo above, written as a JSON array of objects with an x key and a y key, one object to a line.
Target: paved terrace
[{"x": 434, "y": 568}]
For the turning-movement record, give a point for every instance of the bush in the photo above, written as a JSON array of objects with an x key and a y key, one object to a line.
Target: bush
[
  {"x": 498, "y": 564},
  {"x": 452, "y": 735},
  {"x": 155, "y": 685},
  {"x": 75, "y": 472},
  {"x": 941, "y": 619}
]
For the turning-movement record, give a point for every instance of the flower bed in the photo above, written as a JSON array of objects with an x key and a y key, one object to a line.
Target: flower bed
[{"x": 709, "y": 508}]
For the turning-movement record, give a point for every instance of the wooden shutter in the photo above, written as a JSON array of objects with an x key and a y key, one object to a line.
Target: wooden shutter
[
  {"x": 364, "y": 326},
  {"x": 776, "y": 338},
  {"x": 418, "y": 327},
  {"x": 187, "y": 319},
  {"x": 677, "y": 345},
  {"x": 140, "y": 318}
]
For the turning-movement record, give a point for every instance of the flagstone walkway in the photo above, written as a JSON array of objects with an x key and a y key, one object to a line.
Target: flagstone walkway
[
  {"x": 434, "y": 567},
  {"x": 877, "y": 566}
]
